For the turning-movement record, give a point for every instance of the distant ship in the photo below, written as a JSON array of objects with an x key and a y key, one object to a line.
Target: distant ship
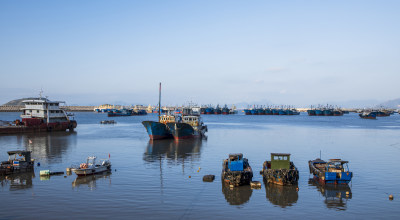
[{"x": 40, "y": 115}]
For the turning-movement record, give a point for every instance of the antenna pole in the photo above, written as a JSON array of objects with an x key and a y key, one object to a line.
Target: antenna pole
[
  {"x": 320, "y": 154},
  {"x": 159, "y": 102}
]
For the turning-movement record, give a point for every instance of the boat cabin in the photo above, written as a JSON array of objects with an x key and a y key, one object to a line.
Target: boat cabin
[
  {"x": 235, "y": 162},
  {"x": 44, "y": 109},
  {"x": 191, "y": 120},
  {"x": 166, "y": 119},
  {"x": 280, "y": 161},
  {"x": 336, "y": 165}
]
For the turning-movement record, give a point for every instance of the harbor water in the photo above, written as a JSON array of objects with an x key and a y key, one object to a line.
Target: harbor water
[{"x": 163, "y": 179}]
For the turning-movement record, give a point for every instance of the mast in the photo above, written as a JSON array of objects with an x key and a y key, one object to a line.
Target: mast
[{"x": 159, "y": 102}]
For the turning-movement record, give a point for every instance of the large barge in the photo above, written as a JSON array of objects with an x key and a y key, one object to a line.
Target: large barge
[{"x": 39, "y": 115}]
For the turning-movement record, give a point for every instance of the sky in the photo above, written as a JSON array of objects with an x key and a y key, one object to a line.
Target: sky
[{"x": 207, "y": 52}]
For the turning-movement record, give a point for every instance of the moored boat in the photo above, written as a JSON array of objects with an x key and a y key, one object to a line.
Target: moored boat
[
  {"x": 159, "y": 129},
  {"x": 19, "y": 161},
  {"x": 280, "y": 170},
  {"x": 334, "y": 171},
  {"x": 40, "y": 115},
  {"x": 236, "y": 170},
  {"x": 225, "y": 110},
  {"x": 92, "y": 167},
  {"x": 368, "y": 115},
  {"x": 189, "y": 125}
]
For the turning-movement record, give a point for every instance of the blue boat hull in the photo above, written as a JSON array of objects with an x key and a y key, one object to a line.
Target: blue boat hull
[
  {"x": 157, "y": 130},
  {"x": 181, "y": 130}
]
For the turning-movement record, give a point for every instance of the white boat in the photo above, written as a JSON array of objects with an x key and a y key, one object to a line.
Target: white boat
[{"x": 92, "y": 167}]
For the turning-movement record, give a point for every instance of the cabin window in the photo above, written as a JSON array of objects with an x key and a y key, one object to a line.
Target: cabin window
[
  {"x": 285, "y": 158},
  {"x": 275, "y": 157}
]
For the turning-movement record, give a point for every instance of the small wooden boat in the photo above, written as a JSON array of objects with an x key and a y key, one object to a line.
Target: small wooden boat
[
  {"x": 19, "y": 161},
  {"x": 334, "y": 171},
  {"x": 236, "y": 170},
  {"x": 280, "y": 170},
  {"x": 92, "y": 167}
]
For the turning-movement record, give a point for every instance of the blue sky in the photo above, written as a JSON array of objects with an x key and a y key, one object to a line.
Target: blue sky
[{"x": 208, "y": 52}]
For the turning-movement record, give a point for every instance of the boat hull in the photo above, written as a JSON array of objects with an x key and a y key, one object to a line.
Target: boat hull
[
  {"x": 157, "y": 130},
  {"x": 236, "y": 178},
  {"x": 89, "y": 171},
  {"x": 182, "y": 130},
  {"x": 280, "y": 176},
  {"x": 324, "y": 177},
  {"x": 42, "y": 127}
]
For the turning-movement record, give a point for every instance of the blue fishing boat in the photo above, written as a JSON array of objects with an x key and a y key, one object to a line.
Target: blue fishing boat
[
  {"x": 236, "y": 170},
  {"x": 254, "y": 111},
  {"x": 311, "y": 112},
  {"x": 334, "y": 171},
  {"x": 368, "y": 115},
  {"x": 268, "y": 111},
  {"x": 225, "y": 110},
  {"x": 209, "y": 110},
  {"x": 217, "y": 110},
  {"x": 120, "y": 112},
  {"x": 328, "y": 112},
  {"x": 159, "y": 130},
  {"x": 247, "y": 111},
  {"x": 319, "y": 112},
  {"x": 282, "y": 112},
  {"x": 189, "y": 125}
]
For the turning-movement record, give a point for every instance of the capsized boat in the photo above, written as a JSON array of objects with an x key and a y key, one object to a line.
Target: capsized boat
[
  {"x": 236, "y": 170},
  {"x": 334, "y": 171},
  {"x": 19, "y": 161},
  {"x": 92, "y": 167},
  {"x": 280, "y": 170}
]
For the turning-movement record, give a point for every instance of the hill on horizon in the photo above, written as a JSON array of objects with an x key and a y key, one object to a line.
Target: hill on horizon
[{"x": 18, "y": 102}]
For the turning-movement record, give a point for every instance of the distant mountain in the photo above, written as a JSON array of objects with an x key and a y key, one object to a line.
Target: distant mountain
[
  {"x": 19, "y": 101},
  {"x": 395, "y": 103}
]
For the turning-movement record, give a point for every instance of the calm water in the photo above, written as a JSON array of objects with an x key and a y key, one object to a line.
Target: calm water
[{"x": 150, "y": 180}]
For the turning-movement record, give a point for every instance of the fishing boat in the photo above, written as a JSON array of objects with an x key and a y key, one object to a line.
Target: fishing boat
[
  {"x": 247, "y": 111},
  {"x": 225, "y": 110},
  {"x": 368, "y": 115},
  {"x": 40, "y": 115},
  {"x": 120, "y": 112},
  {"x": 189, "y": 125},
  {"x": 217, "y": 110},
  {"x": 158, "y": 129},
  {"x": 92, "y": 167},
  {"x": 19, "y": 161},
  {"x": 236, "y": 170},
  {"x": 334, "y": 171},
  {"x": 280, "y": 170}
]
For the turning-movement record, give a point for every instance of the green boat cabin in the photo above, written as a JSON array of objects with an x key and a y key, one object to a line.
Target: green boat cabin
[{"x": 280, "y": 161}]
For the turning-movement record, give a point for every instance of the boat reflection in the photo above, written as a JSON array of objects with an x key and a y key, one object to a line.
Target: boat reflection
[
  {"x": 90, "y": 181},
  {"x": 336, "y": 196},
  {"x": 48, "y": 147},
  {"x": 236, "y": 195},
  {"x": 282, "y": 196},
  {"x": 173, "y": 151},
  {"x": 20, "y": 181}
]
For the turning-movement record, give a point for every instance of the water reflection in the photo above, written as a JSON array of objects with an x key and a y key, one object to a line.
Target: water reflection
[
  {"x": 48, "y": 147},
  {"x": 336, "y": 196},
  {"x": 173, "y": 151},
  {"x": 17, "y": 181},
  {"x": 90, "y": 181},
  {"x": 236, "y": 195},
  {"x": 282, "y": 196}
]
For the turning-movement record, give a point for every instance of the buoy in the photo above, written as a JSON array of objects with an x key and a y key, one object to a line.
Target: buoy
[
  {"x": 190, "y": 176},
  {"x": 391, "y": 197},
  {"x": 65, "y": 176},
  {"x": 198, "y": 170}
]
